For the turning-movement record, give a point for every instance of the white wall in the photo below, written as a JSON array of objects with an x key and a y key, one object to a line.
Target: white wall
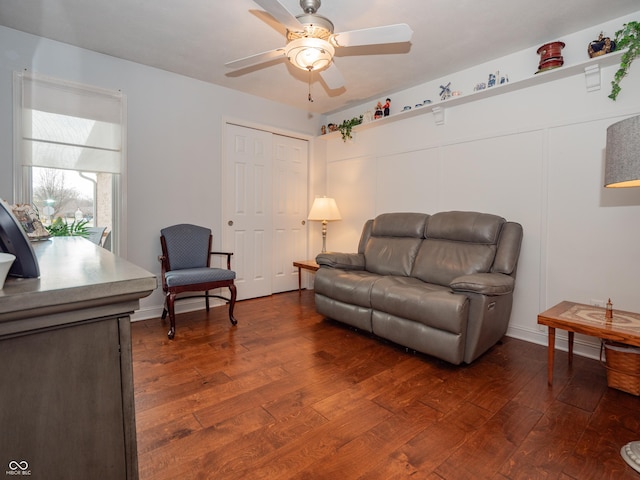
[
  {"x": 534, "y": 156},
  {"x": 174, "y": 136}
]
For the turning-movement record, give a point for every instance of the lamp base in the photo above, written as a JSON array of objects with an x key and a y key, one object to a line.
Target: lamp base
[
  {"x": 324, "y": 236},
  {"x": 631, "y": 454}
]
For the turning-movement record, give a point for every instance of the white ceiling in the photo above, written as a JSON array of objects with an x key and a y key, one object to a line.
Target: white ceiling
[{"x": 197, "y": 37}]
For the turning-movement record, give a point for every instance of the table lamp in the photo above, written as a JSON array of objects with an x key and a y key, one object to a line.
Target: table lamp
[
  {"x": 324, "y": 209},
  {"x": 622, "y": 158},
  {"x": 622, "y": 169}
]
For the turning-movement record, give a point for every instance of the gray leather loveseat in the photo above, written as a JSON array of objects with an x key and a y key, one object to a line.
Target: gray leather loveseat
[{"x": 440, "y": 284}]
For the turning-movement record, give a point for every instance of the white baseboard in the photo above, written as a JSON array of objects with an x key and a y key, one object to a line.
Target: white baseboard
[{"x": 583, "y": 345}]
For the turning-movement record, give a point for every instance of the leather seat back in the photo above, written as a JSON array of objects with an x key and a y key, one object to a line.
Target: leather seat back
[
  {"x": 457, "y": 243},
  {"x": 394, "y": 242}
]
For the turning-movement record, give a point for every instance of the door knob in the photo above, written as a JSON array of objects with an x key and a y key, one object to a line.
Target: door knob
[
  {"x": 303, "y": 222},
  {"x": 230, "y": 223}
]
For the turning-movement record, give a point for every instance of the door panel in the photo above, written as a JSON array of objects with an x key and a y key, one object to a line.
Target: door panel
[
  {"x": 290, "y": 210},
  {"x": 264, "y": 208},
  {"x": 246, "y": 181}
]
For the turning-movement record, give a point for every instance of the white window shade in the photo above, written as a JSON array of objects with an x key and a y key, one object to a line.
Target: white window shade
[{"x": 71, "y": 127}]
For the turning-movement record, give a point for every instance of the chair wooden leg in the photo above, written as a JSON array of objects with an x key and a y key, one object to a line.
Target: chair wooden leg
[
  {"x": 206, "y": 299},
  {"x": 165, "y": 309},
  {"x": 232, "y": 303},
  {"x": 171, "y": 298}
]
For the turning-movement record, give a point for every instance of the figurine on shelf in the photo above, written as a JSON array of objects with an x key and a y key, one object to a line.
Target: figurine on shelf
[
  {"x": 445, "y": 91},
  {"x": 386, "y": 107},
  {"x": 609, "y": 311},
  {"x": 601, "y": 46},
  {"x": 378, "y": 113}
]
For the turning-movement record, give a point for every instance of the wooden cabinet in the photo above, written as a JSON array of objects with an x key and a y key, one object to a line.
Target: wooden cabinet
[{"x": 66, "y": 381}]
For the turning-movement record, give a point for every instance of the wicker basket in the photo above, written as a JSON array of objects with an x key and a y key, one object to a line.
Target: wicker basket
[{"x": 623, "y": 366}]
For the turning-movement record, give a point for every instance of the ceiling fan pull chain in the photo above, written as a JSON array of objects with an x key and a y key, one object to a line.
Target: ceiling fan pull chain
[{"x": 310, "y": 98}]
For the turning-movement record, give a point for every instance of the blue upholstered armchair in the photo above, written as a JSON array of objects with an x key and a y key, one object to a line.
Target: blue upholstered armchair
[{"x": 186, "y": 267}]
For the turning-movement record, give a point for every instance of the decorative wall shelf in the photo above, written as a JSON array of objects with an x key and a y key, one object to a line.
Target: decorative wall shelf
[{"x": 590, "y": 68}]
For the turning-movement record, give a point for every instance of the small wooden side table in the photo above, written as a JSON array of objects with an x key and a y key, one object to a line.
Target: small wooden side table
[
  {"x": 624, "y": 327},
  {"x": 310, "y": 265}
]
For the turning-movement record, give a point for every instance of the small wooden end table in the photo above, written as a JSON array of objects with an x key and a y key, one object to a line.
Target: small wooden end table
[
  {"x": 310, "y": 265},
  {"x": 590, "y": 320}
]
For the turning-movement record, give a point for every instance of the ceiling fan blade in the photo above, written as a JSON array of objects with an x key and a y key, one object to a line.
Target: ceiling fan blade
[
  {"x": 332, "y": 77},
  {"x": 256, "y": 59},
  {"x": 400, "y": 32},
  {"x": 281, "y": 14}
]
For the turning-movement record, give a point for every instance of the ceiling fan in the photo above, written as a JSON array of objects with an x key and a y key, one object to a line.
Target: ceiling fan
[{"x": 311, "y": 42}]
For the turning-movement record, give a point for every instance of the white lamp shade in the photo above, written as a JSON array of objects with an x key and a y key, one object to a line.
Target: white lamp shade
[
  {"x": 622, "y": 159},
  {"x": 324, "y": 208}
]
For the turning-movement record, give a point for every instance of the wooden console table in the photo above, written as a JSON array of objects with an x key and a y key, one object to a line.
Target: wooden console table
[
  {"x": 573, "y": 317},
  {"x": 310, "y": 265},
  {"x": 67, "y": 405}
]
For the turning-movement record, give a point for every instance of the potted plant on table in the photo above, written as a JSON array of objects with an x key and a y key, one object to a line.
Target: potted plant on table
[
  {"x": 60, "y": 228},
  {"x": 628, "y": 37}
]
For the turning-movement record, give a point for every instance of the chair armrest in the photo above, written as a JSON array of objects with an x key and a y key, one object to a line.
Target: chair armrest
[
  {"x": 228, "y": 254},
  {"x": 344, "y": 261},
  {"x": 163, "y": 269},
  {"x": 484, "y": 283}
]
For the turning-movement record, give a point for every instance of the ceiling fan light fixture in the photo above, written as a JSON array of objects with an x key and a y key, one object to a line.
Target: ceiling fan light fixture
[{"x": 310, "y": 53}]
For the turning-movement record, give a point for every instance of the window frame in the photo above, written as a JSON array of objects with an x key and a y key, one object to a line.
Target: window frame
[{"x": 22, "y": 174}]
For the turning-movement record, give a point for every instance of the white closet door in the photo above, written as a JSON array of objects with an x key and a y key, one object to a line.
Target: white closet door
[
  {"x": 246, "y": 199},
  {"x": 290, "y": 166},
  {"x": 264, "y": 203}
]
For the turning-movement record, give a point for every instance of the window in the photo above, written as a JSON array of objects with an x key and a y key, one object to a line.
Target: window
[{"x": 70, "y": 153}]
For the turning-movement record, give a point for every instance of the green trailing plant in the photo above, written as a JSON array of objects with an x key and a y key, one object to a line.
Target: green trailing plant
[
  {"x": 60, "y": 228},
  {"x": 628, "y": 37},
  {"x": 346, "y": 126}
]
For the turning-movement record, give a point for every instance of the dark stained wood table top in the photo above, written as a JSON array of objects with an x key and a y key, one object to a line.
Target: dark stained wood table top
[{"x": 590, "y": 320}]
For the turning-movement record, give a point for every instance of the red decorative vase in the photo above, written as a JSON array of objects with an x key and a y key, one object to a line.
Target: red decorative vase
[{"x": 550, "y": 55}]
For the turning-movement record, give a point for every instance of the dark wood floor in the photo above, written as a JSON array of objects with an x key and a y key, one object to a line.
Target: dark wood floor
[{"x": 289, "y": 394}]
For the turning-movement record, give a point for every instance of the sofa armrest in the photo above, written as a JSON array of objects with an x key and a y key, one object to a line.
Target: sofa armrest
[
  {"x": 484, "y": 283},
  {"x": 344, "y": 261}
]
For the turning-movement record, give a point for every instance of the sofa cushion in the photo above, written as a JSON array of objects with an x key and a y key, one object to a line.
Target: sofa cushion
[
  {"x": 394, "y": 242},
  {"x": 471, "y": 227},
  {"x": 348, "y": 286},
  {"x": 400, "y": 225},
  {"x": 429, "y": 304},
  {"x": 440, "y": 261},
  {"x": 457, "y": 243},
  {"x": 391, "y": 255}
]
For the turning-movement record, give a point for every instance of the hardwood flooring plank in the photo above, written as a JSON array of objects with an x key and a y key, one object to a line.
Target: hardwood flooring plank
[
  {"x": 488, "y": 448},
  {"x": 597, "y": 456},
  {"x": 289, "y": 460},
  {"x": 585, "y": 388},
  {"x": 546, "y": 448},
  {"x": 393, "y": 432}
]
